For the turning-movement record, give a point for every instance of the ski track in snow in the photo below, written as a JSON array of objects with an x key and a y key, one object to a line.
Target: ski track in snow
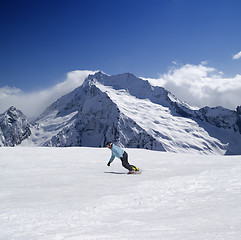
[{"x": 70, "y": 193}]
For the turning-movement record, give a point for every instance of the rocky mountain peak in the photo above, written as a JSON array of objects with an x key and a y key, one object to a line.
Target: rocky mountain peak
[{"x": 14, "y": 127}]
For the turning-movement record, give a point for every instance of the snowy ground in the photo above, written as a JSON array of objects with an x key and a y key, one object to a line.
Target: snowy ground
[{"x": 70, "y": 193}]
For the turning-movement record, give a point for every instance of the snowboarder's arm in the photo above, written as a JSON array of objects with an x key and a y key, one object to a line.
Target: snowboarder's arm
[{"x": 111, "y": 159}]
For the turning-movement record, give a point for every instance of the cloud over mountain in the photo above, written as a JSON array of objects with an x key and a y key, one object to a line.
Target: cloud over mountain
[
  {"x": 32, "y": 104},
  {"x": 199, "y": 85},
  {"x": 202, "y": 85}
]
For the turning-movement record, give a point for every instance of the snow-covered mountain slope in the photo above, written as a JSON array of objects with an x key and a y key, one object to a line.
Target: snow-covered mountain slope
[
  {"x": 70, "y": 193},
  {"x": 88, "y": 117},
  {"x": 129, "y": 111},
  {"x": 14, "y": 127}
]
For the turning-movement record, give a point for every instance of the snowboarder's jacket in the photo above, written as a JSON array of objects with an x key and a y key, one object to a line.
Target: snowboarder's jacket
[{"x": 116, "y": 152}]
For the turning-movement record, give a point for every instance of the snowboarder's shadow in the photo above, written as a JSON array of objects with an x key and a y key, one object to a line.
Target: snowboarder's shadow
[{"x": 115, "y": 172}]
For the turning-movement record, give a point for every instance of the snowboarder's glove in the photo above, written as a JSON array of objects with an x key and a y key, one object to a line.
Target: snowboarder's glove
[{"x": 108, "y": 164}]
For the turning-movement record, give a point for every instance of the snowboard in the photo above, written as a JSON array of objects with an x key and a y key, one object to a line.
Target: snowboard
[{"x": 134, "y": 172}]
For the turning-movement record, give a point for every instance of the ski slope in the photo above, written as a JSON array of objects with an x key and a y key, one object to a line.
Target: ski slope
[{"x": 70, "y": 194}]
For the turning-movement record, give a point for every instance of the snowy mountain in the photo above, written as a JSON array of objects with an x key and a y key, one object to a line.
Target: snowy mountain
[
  {"x": 133, "y": 113},
  {"x": 14, "y": 127},
  {"x": 89, "y": 117}
]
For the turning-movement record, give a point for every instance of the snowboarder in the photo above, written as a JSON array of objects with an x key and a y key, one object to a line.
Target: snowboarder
[{"x": 122, "y": 155}]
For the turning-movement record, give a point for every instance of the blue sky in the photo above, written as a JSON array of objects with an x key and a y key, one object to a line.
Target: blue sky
[
  {"x": 43, "y": 40},
  {"x": 186, "y": 46}
]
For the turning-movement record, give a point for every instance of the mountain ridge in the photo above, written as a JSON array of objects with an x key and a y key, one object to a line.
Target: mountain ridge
[{"x": 133, "y": 113}]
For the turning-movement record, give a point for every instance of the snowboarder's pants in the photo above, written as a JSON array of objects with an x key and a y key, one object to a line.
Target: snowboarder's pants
[{"x": 125, "y": 163}]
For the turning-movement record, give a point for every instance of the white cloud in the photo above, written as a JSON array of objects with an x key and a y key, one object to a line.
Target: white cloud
[
  {"x": 201, "y": 85},
  {"x": 8, "y": 91},
  {"x": 32, "y": 104},
  {"x": 237, "y": 56}
]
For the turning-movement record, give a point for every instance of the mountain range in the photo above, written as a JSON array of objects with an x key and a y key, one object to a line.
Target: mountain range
[{"x": 129, "y": 111}]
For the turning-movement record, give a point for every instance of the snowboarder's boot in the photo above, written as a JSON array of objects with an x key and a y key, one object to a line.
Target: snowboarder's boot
[{"x": 134, "y": 170}]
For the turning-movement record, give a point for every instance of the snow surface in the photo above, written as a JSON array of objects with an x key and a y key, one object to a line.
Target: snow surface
[{"x": 70, "y": 193}]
